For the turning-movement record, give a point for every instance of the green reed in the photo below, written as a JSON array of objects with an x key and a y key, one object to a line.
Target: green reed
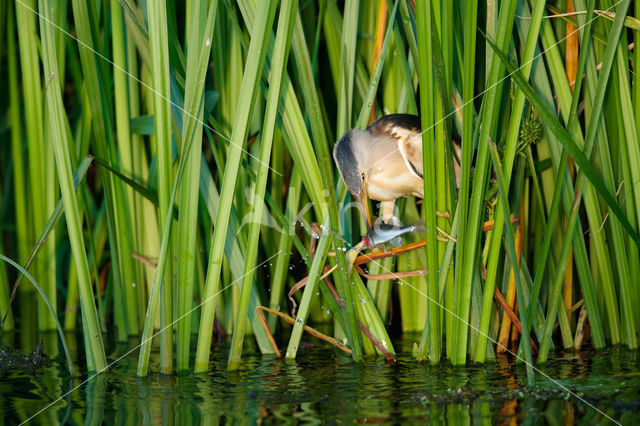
[{"x": 211, "y": 128}]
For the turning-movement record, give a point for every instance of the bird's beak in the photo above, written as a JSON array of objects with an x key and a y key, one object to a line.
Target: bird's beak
[{"x": 363, "y": 202}]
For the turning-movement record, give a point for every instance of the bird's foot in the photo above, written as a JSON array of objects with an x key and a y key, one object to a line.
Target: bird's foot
[
  {"x": 392, "y": 221},
  {"x": 443, "y": 214}
]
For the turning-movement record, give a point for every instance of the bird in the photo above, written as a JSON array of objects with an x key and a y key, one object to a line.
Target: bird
[{"x": 384, "y": 163}]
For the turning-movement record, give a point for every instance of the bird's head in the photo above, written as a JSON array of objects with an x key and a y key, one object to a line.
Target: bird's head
[
  {"x": 352, "y": 172},
  {"x": 345, "y": 157}
]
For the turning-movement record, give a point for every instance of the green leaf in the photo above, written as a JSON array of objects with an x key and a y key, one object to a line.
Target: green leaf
[
  {"x": 551, "y": 122},
  {"x": 143, "y": 125}
]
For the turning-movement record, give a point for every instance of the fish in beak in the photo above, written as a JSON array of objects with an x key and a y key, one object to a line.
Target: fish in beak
[{"x": 383, "y": 233}]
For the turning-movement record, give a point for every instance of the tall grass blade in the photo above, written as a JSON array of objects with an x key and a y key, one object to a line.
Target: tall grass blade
[
  {"x": 198, "y": 49},
  {"x": 347, "y": 66},
  {"x": 248, "y": 92},
  {"x": 456, "y": 338},
  {"x": 425, "y": 74},
  {"x": 233, "y": 248},
  {"x": 312, "y": 102},
  {"x": 580, "y": 157},
  {"x": 280, "y": 270},
  {"x": 23, "y": 231},
  {"x": 131, "y": 273},
  {"x": 476, "y": 210},
  {"x": 159, "y": 55},
  {"x": 279, "y": 60},
  {"x": 554, "y": 126},
  {"x": 509, "y": 155},
  {"x": 540, "y": 77},
  {"x": 93, "y": 335},
  {"x": 104, "y": 146},
  {"x": 515, "y": 262},
  {"x": 309, "y": 290},
  {"x": 39, "y": 168}
]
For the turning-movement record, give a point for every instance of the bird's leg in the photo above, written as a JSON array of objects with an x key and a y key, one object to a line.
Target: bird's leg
[{"x": 386, "y": 208}]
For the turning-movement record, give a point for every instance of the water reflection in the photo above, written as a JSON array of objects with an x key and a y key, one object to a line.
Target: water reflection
[{"x": 324, "y": 385}]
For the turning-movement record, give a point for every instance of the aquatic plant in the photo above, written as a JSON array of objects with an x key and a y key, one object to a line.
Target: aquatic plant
[{"x": 200, "y": 135}]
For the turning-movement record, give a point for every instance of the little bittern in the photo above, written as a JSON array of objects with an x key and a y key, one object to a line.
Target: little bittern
[{"x": 383, "y": 163}]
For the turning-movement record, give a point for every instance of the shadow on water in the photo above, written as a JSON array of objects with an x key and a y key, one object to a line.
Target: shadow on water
[{"x": 323, "y": 385}]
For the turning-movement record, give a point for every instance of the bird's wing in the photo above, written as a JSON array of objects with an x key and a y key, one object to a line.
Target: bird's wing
[
  {"x": 411, "y": 150},
  {"x": 405, "y": 130}
]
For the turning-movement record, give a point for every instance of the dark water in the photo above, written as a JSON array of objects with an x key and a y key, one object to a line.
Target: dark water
[{"x": 324, "y": 386}]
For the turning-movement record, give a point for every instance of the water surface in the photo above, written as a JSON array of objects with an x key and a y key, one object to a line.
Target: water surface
[{"x": 325, "y": 386}]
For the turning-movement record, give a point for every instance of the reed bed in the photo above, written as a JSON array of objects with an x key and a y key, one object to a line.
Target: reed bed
[{"x": 167, "y": 177}]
